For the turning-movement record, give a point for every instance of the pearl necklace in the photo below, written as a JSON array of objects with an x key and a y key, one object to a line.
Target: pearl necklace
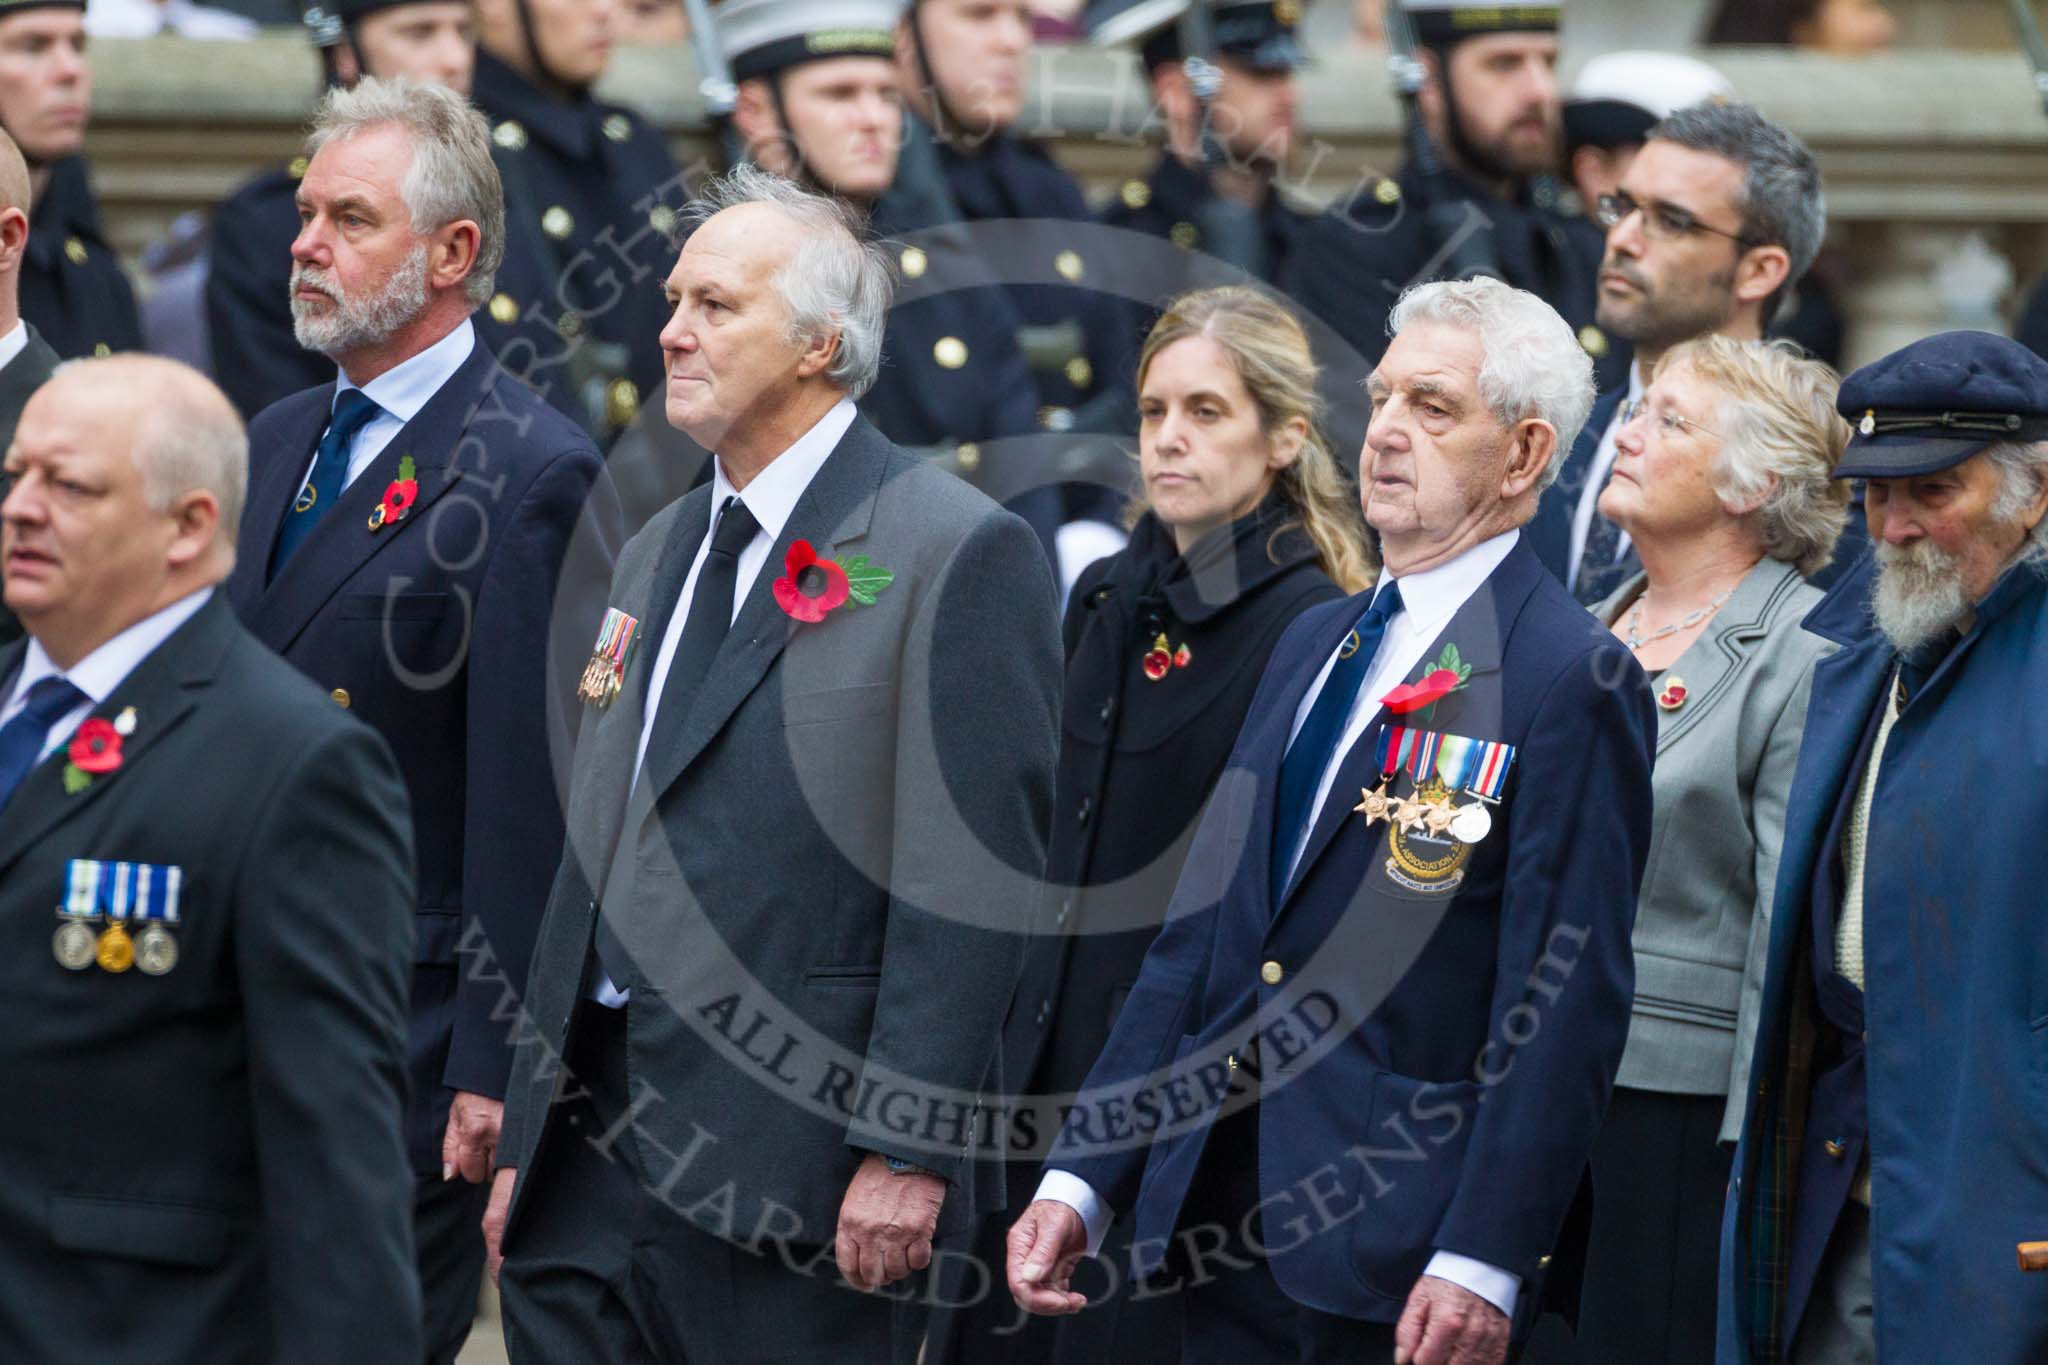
[{"x": 1635, "y": 620}]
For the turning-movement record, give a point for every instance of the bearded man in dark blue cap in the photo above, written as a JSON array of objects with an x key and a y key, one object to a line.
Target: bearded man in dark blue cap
[{"x": 1892, "y": 1156}]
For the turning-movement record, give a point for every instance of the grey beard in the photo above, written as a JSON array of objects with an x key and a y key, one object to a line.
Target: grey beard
[
  {"x": 1919, "y": 595},
  {"x": 367, "y": 320}
]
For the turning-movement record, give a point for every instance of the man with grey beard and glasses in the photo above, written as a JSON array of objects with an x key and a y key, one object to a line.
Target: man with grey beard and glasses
[
  {"x": 1891, "y": 1155},
  {"x": 412, "y": 529}
]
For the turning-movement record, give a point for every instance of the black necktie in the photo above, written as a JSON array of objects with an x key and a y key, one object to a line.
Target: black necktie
[
  {"x": 22, "y": 738},
  {"x": 704, "y": 628}
]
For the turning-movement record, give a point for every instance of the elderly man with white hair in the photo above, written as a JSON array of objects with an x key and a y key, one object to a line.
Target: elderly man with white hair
[
  {"x": 205, "y": 1041},
  {"x": 806, "y": 829},
  {"x": 1352, "y": 1095}
]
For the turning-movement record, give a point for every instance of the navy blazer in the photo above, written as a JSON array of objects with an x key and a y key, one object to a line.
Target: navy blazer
[
  {"x": 1550, "y": 533},
  {"x": 436, "y": 631},
  {"x": 1432, "y": 1061},
  {"x": 1954, "y": 1010}
]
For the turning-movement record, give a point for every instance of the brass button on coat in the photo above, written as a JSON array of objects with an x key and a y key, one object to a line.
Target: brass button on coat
[
  {"x": 503, "y": 310},
  {"x": 1272, "y": 973},
  {"x": 340, "y": 697},
  {"x": 913, "y": 262},
  {"x": 950, "y": 352},
  {"x": 557, "y": 222},
  {"x": 1068, "y": 263},
  {"x": 509, "y": 135}
]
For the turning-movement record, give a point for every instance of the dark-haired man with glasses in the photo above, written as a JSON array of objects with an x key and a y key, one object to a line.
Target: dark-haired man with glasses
[{"x": 1713, "y": 224}]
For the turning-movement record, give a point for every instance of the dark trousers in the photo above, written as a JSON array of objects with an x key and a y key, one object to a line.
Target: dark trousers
[
  {"x": 1235, "y": 1312},
  {"x": 1660, "y": 1180},
  {"x": 447, "y": 1225},
  {"x": 598, "y": 1270}
]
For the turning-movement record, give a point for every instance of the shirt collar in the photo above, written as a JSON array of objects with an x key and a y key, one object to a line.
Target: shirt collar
[
  {"x": 773, "y": 494},
  {"x": 13, "y": 344},
  {"x": 100, "y": 672},
  {"x": 1434, "y": 595},
  {"x": 405, "y": 388}
]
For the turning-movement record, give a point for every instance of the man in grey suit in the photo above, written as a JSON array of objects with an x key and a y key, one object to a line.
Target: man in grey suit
[
  {"x": 811, "y": 799},
  {"x": 203, "y": 1160}
]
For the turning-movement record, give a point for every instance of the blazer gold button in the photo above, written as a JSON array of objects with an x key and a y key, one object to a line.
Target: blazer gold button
[
  {"x": 1271, "y": 973},
  {"x": 1834, "y": 1148},
  {"x": 1069, "y": 264},
  {"x": 951, "y": 352},
  {"x": 74, "y": 251},
  {"x": 557, "y": 222},
  {"x": 1183, "y": 235},
  {"x": 1543, "y": 1263},
  {"x": 1135, "y": 194},
  {"x": 913, "y": 260},
  {"x": 617, "y": 127},
  {"x": 504, "y": 310},
  {"x": 340, "y": 697},
  {"x": 509, "y": 135},
  {"x": 968, "y": 456}
]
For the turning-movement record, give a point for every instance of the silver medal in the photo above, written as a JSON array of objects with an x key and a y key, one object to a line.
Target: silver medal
[
  {"x": 1472, "y": 824},
  {"x": 156, "y": 952},
  {"x": 76, "y": 945}
]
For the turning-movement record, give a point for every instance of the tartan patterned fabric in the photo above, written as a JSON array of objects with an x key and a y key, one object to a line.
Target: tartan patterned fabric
[{"x": 1763, "y": 1226}]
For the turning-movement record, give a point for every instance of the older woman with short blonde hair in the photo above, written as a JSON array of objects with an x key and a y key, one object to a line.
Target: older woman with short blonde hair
[{"x": 1721, "y": 479}]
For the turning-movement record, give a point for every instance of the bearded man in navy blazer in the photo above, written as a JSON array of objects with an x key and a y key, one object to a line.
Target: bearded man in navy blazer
[
  {"x": 1352, "y": 1095},
  {"x": 408, "y": 525}
]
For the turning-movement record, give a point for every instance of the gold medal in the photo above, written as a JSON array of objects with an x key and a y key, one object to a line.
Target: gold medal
[
  {"x": 116, "y": 952},
  {"x": 75, "y": 944},
  {"x": 156, "y": 952}
]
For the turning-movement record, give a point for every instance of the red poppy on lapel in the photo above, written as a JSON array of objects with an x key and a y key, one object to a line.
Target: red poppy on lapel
[
  {"x": 811, "y": 586},
  {"x": 399, "y": 495}
]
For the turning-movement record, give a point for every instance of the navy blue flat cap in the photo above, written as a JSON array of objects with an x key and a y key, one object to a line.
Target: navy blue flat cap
[{"x": 1939, "y": 401}]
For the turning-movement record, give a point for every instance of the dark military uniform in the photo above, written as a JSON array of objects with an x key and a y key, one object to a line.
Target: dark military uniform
[
  {"x": 72, "y": 286},
  {"x": 248, "y": 294},
  {"x": 1354, "y": 260},
  {"x": 591, "y": 195},
  {"x": 1081, "y": 341},
  {"x": 1177, "y": 199}
]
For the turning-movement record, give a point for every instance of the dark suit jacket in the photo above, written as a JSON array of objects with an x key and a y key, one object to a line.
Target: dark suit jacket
[
  {"x": 21, "y": 377},
  {"x": 824, "y": 882},
  {"x": 1432, "y": 1064},
  {"x": 207, "y": 1165},
  {"x": 1550, "y": 533},
  {"x": 436, "y": 631}
]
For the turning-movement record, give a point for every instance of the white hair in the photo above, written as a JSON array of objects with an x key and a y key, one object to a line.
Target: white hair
[
  {"x": 837, "y": 281},
  {"x": 452, "y": 176},
  {"x": 1533, "y": 366},
  {"x": 2022, "y": 467}
]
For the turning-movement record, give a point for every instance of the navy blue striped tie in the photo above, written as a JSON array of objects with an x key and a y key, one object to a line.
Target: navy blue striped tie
[
  {"x": 1301, "y": 771},
  {"x": 22, "y": 739}
]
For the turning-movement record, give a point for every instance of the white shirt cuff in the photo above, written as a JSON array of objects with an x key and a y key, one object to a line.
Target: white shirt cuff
[
  {"x": 1491, "y": 1283},
  {"x": 1078, "y": 1195}
]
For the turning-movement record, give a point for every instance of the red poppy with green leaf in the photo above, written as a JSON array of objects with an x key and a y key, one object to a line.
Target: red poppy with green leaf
[
  {"x": 399, "y": 495},
  {"x": 95, "y": 751},
  {"x": 1449, "y": 674},
  {"x": 812, "y": 586}
]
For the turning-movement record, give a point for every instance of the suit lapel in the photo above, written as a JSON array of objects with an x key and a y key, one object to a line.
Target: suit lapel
[
  {"x": 1710, "y": 661},
  {"x": 161, "y": 689},
  {"x": 277, "y": 474},
  {"x": 1479, "y": 628},
  {"x": 833, "y": 512},
  {"x": 336, "y": 549}
]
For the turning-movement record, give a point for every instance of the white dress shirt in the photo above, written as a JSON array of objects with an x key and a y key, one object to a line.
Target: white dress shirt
[
  {"x": 400, "y": 392},
  {"x": 100, "y": 672},
  {"x": 13, "y": 344},
  {"x": 1429, "y": 600},
  {"x": 771, "y": 497},
  {"x": 1596, "y": 480}
]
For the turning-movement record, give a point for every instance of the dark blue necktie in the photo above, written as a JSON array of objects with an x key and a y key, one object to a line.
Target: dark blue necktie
[
  {"x": 22, "y": 739},
  {"x": 1301, "y": 771},
  {"x": 352, "y": 409}
]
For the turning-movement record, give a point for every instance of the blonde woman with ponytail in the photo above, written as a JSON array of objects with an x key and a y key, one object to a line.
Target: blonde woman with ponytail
[{"x": 1243, "y": 521}]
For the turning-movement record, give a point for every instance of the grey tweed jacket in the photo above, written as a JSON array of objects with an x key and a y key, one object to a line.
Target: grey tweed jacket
[{"x": 1725, "y": 759}]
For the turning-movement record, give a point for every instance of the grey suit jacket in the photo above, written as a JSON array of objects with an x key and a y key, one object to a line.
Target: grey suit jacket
[
  {"x": 1725, "y": 758},
  {"x": 824, "y": 881}
]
